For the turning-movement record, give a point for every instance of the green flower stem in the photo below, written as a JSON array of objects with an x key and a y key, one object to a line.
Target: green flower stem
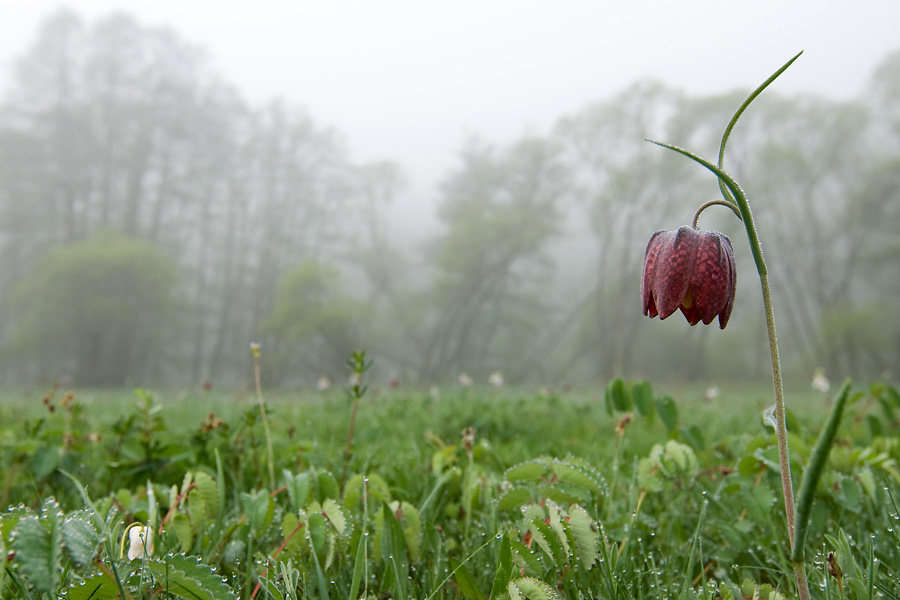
[
  {"x": 265, "y": 417},
  {"x": 716, "y": 202},
  {"x": 743, "y": 206}
]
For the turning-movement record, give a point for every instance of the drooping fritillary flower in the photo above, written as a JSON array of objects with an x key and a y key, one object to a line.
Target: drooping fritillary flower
[{"x": 691, "y": 270}]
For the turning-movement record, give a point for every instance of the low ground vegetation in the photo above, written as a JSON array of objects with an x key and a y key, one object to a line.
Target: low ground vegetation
[{"x": 619, "y": 493}]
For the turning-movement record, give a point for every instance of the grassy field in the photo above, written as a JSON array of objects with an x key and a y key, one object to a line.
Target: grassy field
[{"x": 654, "y": 493}]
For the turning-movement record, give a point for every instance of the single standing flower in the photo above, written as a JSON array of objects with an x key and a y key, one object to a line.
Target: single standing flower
[
  {"x": 140, "y": 540},
  {"x": 691, "y": 270}
]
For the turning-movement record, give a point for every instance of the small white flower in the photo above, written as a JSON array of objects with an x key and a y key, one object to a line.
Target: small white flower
[
  {"x": 434, "y": 392},
  {"x": 464, "y": 380},
  {"x": 711, "y": 393},
  {"x": 140, "y": 540},
  {"x": 354, "y": 379},
  {"x": 496, "y": 379},
  {"x": 323, "y": 384},
  {"x": 820, "y": 382}
]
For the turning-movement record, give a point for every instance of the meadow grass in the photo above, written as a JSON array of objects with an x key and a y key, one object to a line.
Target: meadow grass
[{"x": 643, "y": 508}]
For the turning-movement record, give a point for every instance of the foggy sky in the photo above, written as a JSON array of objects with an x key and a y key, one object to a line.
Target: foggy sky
[{"x": 409, "y": 80}]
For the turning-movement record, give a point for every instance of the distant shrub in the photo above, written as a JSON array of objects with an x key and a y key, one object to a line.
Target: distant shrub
[{"x": 96, "y": 312}]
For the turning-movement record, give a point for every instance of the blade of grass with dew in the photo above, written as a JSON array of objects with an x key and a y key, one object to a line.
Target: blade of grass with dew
[
  {"x": 359, "y": 566},
  {"x": 453, "y": 572},
  {"x": 685, "y": 585},
  {"x": 504, "y": 568},
  {"x": 813, "y": 472}
]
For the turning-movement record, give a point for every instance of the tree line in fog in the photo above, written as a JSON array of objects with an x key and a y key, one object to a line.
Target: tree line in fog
[{"x": 153, "y": 224}]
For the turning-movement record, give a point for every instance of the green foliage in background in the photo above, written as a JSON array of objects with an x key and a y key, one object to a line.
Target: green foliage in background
[
  {"x": 313, "y": 321},
  {"x": 97, "y": 312}
]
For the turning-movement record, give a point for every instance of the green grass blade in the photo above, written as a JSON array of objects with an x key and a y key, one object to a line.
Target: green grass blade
[
  {"x": 453, "y": 571},
  {"x": 359, "y": 567},
  {"x": 320, "y": 576},
  {"x": 813, "y": 472},
  {"x": 220, "y": 490},
  {"x": 686, "y": 583},
  {"x": 467, "y": 584},
  {"x": 871, "y": 574},
  {"x": 504, "y": 568}
]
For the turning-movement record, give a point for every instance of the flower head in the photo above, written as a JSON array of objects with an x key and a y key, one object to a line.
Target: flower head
[
  {"x": 140, "y": 540},
  {"x": 691, "y": 270},
  {"x": 496, "y": 379},
  {"x": 820, "y": 381}
]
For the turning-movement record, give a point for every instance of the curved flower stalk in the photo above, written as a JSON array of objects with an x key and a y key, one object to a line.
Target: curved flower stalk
[{"x": 666, "y": 284}]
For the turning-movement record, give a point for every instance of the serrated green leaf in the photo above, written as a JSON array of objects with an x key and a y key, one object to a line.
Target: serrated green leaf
[
  {"x": 330, "y": 545},
  {"x": 185, "y": 483},
  {"x": 260, "y": 509},
  {"x": 297, "y": 488},
  {"x": 549, "y": 542},
  {"x": 533, "y": 512},
  {"x": 197, "y": 510},
  {"x": 569, "y": 473},
  {"x": 527, "y": 471},
  {"x": 648, "y": 475},
  {"x": 38, "y": 547},
  {"x": 316, "y": 531},
  {"x": 186, "y": 577},
  {"x": 562, "y": 496},
  {"x": 289, "y": 525},
  {"x": 96, "y": 587},
  {"x": 556, "y": 524},
  {"x": 81, "y": 540},
  {"x": 587, "y": 540},
  {"x": 525, "y": 558},
  {"x": 514, "y": 498},
  {"x": 532, "y": 589},
  {"x": 336, "y": 515},
  {"x": 181, "y": 524},
  {"x": 207, "y": 487}
]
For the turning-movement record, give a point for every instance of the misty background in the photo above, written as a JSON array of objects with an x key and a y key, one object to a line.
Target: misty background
[{"x": 154, "y": 220}]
